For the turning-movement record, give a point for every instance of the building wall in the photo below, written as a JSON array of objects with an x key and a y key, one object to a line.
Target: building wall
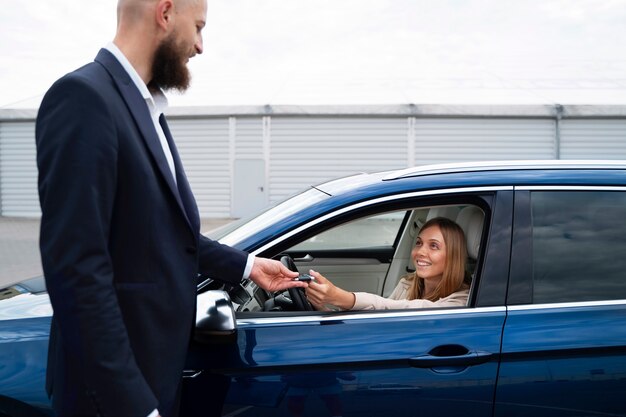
[
  {"x": 596, "y": 138},
  {"x": 241, "y": 159},
  {"x": 18, "y": 169},
  {"x": 204, "y": 148},
  {"x": 456, "y": 140},
  {"x": 309, "y": 150}
]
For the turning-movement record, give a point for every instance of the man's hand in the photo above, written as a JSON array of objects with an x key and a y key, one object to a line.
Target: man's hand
[{"x": 273, "y": 276}]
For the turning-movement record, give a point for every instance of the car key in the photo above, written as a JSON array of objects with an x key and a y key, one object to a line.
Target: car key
[{"x": 305, "y": 278}]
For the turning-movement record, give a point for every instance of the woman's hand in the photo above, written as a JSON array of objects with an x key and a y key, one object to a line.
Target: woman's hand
[{"x": 321, "y": 292}]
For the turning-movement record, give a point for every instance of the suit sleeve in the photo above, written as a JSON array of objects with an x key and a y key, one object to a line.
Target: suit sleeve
[
  {"x": 77, "y": 158},
  {"x": 221, "y": 262}
]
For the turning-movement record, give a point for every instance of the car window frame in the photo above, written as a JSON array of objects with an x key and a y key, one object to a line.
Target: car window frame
[
  {"x": 492, "y": 290},
  {"x": 520, "y": 291}
]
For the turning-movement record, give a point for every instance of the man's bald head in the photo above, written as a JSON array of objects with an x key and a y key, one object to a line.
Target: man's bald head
[
  {"x": 159, "y": 37},
  {"x": 135, "y": 9},
  {"x": 132, "y": 10}
]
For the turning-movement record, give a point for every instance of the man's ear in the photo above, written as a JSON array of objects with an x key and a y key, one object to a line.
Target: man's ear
[{"x": 165, "y": 14}]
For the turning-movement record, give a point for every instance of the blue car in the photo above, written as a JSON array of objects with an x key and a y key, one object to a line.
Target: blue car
[{"x": 543, "y": 332}]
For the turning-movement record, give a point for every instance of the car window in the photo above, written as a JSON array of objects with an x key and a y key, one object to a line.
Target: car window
[
  {"x": 375, "y": 231},
  {"x": 373, "y": 253},
  {"x": 578, "y": 246}
]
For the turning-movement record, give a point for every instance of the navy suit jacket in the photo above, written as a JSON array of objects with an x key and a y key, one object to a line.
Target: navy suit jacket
[{"x": 120, "y": 246}]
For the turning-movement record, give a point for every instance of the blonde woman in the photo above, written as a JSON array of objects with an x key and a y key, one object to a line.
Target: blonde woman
[{"x": 439, "y": 280}]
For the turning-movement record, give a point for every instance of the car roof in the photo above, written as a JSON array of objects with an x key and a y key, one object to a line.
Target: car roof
[
  {"x": 355, "y": 191},
  {"x": 506, "y": 166},
  {"x": 467, "y": 174}
]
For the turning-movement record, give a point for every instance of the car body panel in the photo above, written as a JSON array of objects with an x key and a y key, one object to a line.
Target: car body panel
[
  {"x": 363, "y": 361},
  {"x": 563, "y": 360},
  {"x": 503, "y": 355},
  {"x": 566, "y": 358},
  {"x": 24, "y": 330}
]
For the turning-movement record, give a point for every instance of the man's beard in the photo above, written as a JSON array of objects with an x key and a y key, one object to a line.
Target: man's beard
[{"x": 169, "y": 68}]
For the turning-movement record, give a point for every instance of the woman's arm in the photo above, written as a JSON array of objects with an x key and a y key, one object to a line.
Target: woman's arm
[
  {"x": 366, "y": 301},
  {"x": 322, "y": 292}
]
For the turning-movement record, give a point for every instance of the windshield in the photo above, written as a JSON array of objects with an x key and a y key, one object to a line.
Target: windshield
[{"x": 239, "y": 230}]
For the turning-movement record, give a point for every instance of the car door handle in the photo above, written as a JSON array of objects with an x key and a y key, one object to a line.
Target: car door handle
[
  {"x": 450, "y": 355},
  {"x": 306, "y": 258},
  {"x": 191, "y": 373}
]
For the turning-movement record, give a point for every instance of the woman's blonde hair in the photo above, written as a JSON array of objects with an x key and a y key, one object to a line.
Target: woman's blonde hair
[{"x": 454, "y": 270}]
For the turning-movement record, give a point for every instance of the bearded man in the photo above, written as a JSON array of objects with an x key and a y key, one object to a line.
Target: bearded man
[{"x": 120, "y": 233}]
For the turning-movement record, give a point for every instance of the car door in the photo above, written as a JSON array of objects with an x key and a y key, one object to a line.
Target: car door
[
  {"x": 438, "y": 362},
  {"x": 564, "y": 345}
]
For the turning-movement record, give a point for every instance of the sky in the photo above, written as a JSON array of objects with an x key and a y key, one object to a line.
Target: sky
[{"x": 348, "y": 52}]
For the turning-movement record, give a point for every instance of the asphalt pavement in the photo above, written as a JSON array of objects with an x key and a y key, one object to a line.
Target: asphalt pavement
[{"x": 19, "y": 247}]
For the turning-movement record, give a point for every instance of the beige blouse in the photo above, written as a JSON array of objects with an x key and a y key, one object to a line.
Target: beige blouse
[{"x": 398, "y": 299}]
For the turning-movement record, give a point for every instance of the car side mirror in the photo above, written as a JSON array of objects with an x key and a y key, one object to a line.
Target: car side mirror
[{"x": 215, "y": 318}]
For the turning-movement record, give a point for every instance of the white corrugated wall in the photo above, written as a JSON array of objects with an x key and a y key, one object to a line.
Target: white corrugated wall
[
  {"x": 593, "y": 139},
  {"x": 308, "y": 150},
  {"x": 205, "y": 149},
  {"x": 455, "y": 139},
  {"x": 18, "y": 170},
  {"x": 302, "y": 150}
]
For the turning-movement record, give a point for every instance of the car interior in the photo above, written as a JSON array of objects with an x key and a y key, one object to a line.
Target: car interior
[{"x": 369, "y": 254}]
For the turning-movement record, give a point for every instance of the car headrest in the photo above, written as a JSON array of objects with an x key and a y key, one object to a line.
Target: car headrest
[
  {"x": 449, "y": 212},
  {"x": 471, "y": 220}
]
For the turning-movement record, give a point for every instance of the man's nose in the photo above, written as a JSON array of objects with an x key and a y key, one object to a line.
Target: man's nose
[{"x": 198, "y": 45}]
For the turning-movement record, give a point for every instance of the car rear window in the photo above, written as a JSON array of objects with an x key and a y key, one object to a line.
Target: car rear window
[{"x": 579, "y": 246}]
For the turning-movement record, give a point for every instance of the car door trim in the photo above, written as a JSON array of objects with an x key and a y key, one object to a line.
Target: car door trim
[
  {"x": 569, "y": 188},
  {"x": 340, "y": 317},
  {"x": 576, "y": 304},
  {"x": 301, "y": 228}
]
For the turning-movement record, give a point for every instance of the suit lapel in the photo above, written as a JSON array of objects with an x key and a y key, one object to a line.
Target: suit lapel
[
  {"x": 189, "y": 202},
  {"x": 139, "y": 110}
]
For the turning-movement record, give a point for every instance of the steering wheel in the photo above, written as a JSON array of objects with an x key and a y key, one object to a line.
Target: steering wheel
[{"x": 297, "y": 294}]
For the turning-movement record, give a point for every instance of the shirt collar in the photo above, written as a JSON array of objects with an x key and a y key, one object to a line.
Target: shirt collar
[{"x": 157, "y": 101}]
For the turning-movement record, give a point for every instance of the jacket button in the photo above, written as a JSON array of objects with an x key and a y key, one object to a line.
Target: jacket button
[{"x": 191, "y": 249}]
